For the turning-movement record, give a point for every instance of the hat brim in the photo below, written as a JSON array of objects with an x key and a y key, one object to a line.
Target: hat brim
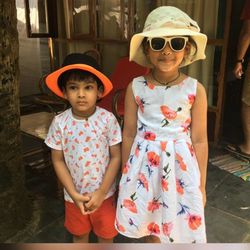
[
  {"x": 137, "y": 54},
  {"x": 52, "y": 79}
]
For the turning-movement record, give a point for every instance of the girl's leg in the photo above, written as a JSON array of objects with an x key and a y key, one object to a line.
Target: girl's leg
[
  {"x": 152, "y": 239},
  {"x": 102, "y": 240},
  {"x": 81, "y": 239}
]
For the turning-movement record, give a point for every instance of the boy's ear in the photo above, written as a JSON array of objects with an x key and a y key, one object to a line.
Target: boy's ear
[
  {"x": 64, "y": 93},
  {"x": 100, "y": 92}
]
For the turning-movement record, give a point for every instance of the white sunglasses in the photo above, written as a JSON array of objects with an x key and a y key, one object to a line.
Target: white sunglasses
[{"x": 176, "y": 43}]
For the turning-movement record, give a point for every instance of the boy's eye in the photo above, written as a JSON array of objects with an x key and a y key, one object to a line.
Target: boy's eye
[
  {"x": 72, "y": 87},
  {"x": 88, "y": 87}
]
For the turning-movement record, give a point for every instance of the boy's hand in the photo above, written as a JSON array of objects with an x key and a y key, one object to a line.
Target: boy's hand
[
  {"x": 80, "y": 201},
  {"x": 95, "y": 201}
]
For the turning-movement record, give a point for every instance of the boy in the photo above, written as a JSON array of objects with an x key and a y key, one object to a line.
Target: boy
[{"x": 85, "y": 142}]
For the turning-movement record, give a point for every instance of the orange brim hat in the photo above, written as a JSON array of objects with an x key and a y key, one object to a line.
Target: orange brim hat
[{"x": 52, "y": 79}]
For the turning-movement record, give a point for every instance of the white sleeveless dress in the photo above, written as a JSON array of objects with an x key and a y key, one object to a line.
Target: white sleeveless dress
[{"x": 159, "y": 190}]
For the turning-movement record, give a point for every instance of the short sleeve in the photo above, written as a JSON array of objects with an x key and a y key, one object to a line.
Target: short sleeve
[
  {"x": 54, "y": 136},
  {"x": 114, "y": 134}
]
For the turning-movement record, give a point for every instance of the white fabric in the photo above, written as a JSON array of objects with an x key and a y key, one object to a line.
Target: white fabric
[
  {"x": 85, "y": 145},
  {"x": 159, "y": 190}
]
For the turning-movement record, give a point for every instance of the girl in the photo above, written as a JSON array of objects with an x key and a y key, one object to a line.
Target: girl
[{"x": 164, "y": 150}]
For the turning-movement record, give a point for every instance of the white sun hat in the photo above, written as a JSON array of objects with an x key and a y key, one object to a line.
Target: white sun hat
[{"x": 168, "y": 21}]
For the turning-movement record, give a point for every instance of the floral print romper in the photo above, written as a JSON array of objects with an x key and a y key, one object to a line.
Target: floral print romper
[{"x": 159, "y": 190}]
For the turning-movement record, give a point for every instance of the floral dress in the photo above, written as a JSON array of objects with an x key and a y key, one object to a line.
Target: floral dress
[{"x": 159, "y": 190}]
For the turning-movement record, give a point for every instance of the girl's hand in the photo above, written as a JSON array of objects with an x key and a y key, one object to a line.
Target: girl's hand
[
  {"x": 80, "y": 201},
  {"x": 95, "y": 201}
]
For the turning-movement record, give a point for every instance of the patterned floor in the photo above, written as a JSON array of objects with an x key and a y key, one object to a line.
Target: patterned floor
[{"x": 227, "y": 162}]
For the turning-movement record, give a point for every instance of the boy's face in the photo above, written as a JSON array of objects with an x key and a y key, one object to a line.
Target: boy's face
[{"x": 82, "y": 96}]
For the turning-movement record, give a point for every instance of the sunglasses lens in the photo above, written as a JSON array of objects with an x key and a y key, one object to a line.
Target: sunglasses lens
[
  {"x": 157, "y": 43},
  {"x": 177, "y": 43}
]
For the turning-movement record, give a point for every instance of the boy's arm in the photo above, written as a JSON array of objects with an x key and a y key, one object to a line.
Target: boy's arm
[
  {"x": 199, "y": 135},
  {"x": 111, "y": 173},
  {"x": 66, "y": 179}
]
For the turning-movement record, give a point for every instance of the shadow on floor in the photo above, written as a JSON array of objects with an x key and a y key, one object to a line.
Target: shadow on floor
[{"x": 227, "y": 210}]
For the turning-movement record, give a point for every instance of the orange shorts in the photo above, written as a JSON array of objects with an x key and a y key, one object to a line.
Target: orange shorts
[{"x": 101, "y": 222}]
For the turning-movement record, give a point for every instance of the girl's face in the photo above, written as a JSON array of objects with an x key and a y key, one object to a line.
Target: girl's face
[
  {"x": 166, "y": 59},
  {"x": 82, "y": 96}
]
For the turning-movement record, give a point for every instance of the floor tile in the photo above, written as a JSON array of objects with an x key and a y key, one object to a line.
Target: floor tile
[{"x": 224, "y": 228}]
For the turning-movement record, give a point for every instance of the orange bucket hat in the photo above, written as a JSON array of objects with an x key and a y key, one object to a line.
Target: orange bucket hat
[{"x": 82, "y": 62}]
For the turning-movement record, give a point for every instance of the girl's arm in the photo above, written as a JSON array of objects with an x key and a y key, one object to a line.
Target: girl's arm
[
  {"x": 109, "y": 178},
  {"x": 199, "y": 134},
  {"x": 130, "y": 124},
  {"x": 66, "y": 179}
]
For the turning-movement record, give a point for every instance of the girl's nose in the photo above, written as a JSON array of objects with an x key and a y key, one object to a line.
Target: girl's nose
[{"x": 167, "y": 50}]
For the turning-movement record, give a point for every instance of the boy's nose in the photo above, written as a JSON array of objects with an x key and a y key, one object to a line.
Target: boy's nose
[{"x": 81, "y": 92}]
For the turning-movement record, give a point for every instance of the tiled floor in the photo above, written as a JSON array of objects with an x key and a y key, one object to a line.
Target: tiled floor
[{"x": 227, "y": 210}]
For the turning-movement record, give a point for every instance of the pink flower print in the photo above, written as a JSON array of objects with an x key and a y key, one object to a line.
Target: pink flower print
[
  {"x": 150, "y": 85},
  {"x": 120, "y": 227},
  {"x": 70, "y": 133},
  {"x": 186, "y": 125},
  {"x": 130, "y": 205},
  {"x": 191, "y": 148},
  {"x": 125, "y": 169},
  {"x": 194, "y": 221},
  {"x": 137, "y": 149},
  {"x": 153, "y": 205},
  {"x": 182, "y": 164},
  {"x": 140, "y": 103},
  {"x": 191, "y": 98},
  {"x": 153, "y": 158},
  {"x": 149, "y": 136},
  {"x": 76, "y": 141},
  {"x": 80, "y": 133},
  {"x": 87, "y": 139},
  {"x": 86, "y": 149},
  {"x": 143, "y": 181},
  {"x": 80, "y": 158},
  {"x": 180, "y": 186},
  {"x": 86, "y": 173},
  {"x": 65, "y": 141},
  {"x": 164, "y": 184},
  {"x": 65, "y": 127},
  {"x": 163, "y": 145},
  {"x": 73, "y": 147},
  {"x": 86, "y": 125},
  {"x": 87, "y": 164},
  {"x": 169, "y": 114},
  {"x": 153, "y": 228},
  {"x": 73, "y": 123},
  {"x": 167, "y": 228}
]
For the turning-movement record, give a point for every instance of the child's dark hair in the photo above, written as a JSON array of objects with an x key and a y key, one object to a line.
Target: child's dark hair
[{"x": 77, "y": 75}]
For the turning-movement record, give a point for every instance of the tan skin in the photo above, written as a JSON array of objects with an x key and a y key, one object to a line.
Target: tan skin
[
  {"x": 165, "y": 67},
  {"x": 83, "y": 96}
]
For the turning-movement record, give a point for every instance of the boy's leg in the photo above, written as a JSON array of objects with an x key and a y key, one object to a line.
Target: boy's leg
[
  {"x": 81, "y": 239},
  {"x": 103, "y": 221},
  {"x": 102, "y": 240},
  {"x": 76, "y": 223}
]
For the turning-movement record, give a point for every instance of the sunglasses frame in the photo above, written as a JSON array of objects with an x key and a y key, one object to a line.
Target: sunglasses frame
[{"x": 167, "y": 40}]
